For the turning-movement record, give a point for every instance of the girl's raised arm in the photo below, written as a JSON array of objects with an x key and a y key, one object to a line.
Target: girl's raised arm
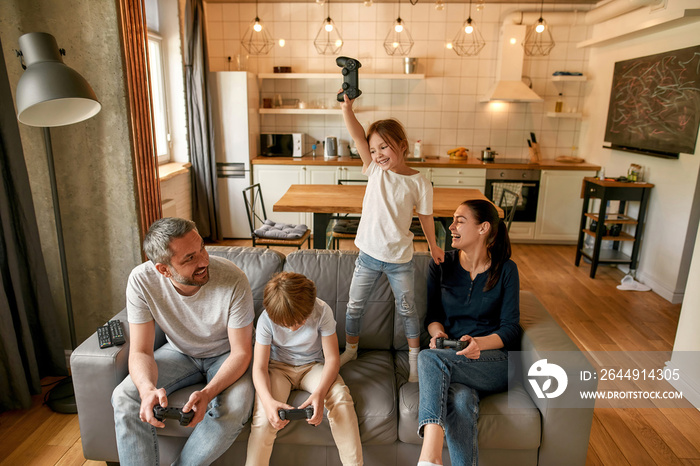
[{"x": 357, "y": 132}]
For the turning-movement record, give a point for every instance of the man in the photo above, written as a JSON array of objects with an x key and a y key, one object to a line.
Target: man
[{"x": 205, "y": 307}]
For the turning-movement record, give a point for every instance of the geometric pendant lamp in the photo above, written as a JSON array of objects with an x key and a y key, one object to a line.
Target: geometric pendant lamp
[{"x": 256, "y": 39}]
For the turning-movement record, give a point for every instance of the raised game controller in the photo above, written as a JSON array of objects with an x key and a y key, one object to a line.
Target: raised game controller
[
  {"x": 161, "y": 413},
  {"x": 296, "y": 414},
  {"x": 350, "y": 80},
  {"x": 458, "y": 345}
]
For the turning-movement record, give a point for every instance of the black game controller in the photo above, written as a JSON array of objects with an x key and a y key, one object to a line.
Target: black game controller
[
  {"x": 458, "y": 345},
  {"x": 161, "y": 413},
  {"x": 296, "y": 414},
  {"x": 350, "y": 79}
]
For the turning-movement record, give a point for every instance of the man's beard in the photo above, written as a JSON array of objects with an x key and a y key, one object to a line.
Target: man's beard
[{"x": 194, "y": 280}]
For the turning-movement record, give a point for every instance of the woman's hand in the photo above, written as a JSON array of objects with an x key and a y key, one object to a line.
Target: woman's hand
[
  {"x": 472, "y": 351},
  {"x": 273, "y": 416},
  {"x": 438, "y": 334}
]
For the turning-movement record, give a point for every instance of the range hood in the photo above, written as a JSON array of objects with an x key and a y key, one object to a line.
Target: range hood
[{"x": 509, "y": 86}]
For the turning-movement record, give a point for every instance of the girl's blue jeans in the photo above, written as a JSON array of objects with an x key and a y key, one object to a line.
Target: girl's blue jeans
[
  {"x": 364, "y": 279},
  {"x": 449, "y": 387}
]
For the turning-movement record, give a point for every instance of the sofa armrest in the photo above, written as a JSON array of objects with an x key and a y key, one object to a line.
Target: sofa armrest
[
  {"x": 96, "y": 373},
  {"x": 565, "y": 430}
]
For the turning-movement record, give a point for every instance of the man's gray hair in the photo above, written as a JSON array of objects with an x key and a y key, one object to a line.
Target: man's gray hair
[{"x": 156, "y": 244}]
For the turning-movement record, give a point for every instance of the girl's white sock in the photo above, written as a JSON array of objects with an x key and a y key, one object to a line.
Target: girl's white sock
[
  {"x": 350, "y": 353},
  {"x": 413, "y": 364}
]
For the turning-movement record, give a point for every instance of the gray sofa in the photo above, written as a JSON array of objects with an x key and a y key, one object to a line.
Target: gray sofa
[{"x": 526, "y": 431}]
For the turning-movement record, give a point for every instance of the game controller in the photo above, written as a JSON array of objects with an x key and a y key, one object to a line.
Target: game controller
[
  {"x": 296, "y": 414},
  {"x": 458, "y": 345},
  {"x": 161, "y": 414},
  {"x": 350, "y": 79}
]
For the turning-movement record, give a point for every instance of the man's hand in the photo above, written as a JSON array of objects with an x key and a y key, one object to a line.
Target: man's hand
[
  {"x": 198, "y": 403},
  {"x": 273, "y": 416},
  {"x": 438, "y": 334},
  {"x": 315, "y": 400},
  {"x": 148, "y": 401},
  {"x": 472, "y": 351}
]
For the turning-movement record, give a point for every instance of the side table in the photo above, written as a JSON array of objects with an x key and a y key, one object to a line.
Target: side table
[{"x": 608, "y": 190}]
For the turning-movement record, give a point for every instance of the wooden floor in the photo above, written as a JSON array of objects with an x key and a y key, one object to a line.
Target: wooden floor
[{"x": 596, "y": 315}]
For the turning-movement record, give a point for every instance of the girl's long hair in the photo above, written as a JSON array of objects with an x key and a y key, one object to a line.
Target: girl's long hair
[
  {"x": 497, "y": 243},
  {"x": 392, "y": 132}
]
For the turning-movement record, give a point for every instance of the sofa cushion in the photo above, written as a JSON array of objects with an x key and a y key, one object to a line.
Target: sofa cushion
[
  {"x": 507, "y": 424},
  {"x": 332, "y": 272}
]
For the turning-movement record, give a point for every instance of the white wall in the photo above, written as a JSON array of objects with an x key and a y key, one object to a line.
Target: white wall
[
  {"x": 442, "y": 110},
  {"x": 672, "y": 216}
]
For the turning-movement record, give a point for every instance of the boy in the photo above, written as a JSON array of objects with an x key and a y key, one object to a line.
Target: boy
[{"x": 296, "y": 348}]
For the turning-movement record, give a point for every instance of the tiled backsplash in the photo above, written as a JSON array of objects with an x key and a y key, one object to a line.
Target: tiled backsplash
[{"x": 443, "y": 109}]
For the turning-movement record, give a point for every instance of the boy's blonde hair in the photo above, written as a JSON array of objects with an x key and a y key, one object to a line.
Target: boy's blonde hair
[
  {"x": 392, "y": 132},
  {"x": 289, "y": 298}
]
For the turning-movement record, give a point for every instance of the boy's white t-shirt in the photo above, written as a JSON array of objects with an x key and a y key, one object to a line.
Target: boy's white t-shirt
[
  {"x": 387, "y": 210},
  {"x": 195, "y": 325},
  {"x": 301, "y": 346}
]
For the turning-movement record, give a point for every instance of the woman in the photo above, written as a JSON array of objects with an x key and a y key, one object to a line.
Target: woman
[{"x": 473, "y": 297}]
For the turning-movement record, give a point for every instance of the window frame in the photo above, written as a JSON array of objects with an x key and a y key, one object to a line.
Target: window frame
[{"x": 163, "y": 90}]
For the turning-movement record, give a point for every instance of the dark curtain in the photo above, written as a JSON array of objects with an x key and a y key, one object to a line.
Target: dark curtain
[
  {"x": 205, "y": 202},
  {"x": 30, "y": 343}
]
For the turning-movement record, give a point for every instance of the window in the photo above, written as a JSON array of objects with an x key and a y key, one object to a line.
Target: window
[{"x": 158, "y": 97}]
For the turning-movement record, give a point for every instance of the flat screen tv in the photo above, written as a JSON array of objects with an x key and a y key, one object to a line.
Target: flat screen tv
[{"x": 655, "y": 104}]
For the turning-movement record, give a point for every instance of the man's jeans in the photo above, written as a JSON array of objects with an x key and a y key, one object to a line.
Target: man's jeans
[
  {"x": 449, "y": 386},
  {"x": 137, "y": 441},
  {"x": 366, "y": 275}
]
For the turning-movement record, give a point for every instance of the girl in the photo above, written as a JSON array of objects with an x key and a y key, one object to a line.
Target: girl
[{"x": 383, "y": 236}]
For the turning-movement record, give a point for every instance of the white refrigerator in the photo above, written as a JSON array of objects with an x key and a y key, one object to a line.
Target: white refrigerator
[{"x": 235, "y": 118}]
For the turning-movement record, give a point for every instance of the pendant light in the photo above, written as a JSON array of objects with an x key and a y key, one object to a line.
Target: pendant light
[
  {"x": 328, "y": 40},
  {"x": 539, "y": 41},
  {"x": 256, "y": 39},
  {"x": 399, "y": 40},
  {"x": 468, "y": 42}
]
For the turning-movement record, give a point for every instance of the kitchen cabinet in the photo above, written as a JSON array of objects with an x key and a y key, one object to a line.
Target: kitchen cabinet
[
  {"x": 611, "y": 191},
  {"x": 274, "y": 181},
  {"x": 559, "y": 205},
  {"x": 473, "y": 178}
]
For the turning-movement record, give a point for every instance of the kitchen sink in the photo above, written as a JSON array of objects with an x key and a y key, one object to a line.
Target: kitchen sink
[{"x": 415, "y": 159}]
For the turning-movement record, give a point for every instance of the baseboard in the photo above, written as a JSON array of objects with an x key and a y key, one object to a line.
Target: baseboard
[
  {"x": 674, "y": 297},
  {"x": 689, "y": 388}
]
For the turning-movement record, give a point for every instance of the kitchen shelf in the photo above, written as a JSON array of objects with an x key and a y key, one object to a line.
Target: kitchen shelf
[
  {"x": 338, "y": 75},
  {"x": 622, "y": 237},
  {"x": 569, "y": 78},
  {"x": 301, "y": 111},
  {"x": 564, "y": 114}
]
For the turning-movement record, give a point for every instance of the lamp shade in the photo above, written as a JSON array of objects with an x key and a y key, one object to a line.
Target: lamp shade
[{"x": 49, "y": 93}]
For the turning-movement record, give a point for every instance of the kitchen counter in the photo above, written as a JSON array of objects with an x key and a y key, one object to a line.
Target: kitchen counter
[{"x": 430, "y": 162}]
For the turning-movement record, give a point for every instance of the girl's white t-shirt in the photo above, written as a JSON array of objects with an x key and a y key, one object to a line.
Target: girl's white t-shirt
[{"x": 387, "y": 210}]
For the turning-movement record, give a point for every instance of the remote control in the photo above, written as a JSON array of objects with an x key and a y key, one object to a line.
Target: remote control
[
  {"x": 104, "y": 337},
  {"x": 350, "y": 78},
  {"x": 117, "y": 332},
  {"x": 296, "y": 414},
  {"x": 161, "y": 413},
  {"x": 458, "y": 345}
]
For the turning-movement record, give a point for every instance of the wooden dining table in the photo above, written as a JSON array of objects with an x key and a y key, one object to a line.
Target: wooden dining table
[{"x": 324, "y": 200}]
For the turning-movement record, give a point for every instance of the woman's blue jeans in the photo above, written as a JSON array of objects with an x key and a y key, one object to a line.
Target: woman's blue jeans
[
  {"x": 137, "y": 441},
  {"x": 449, "y": 387},
  {"x": 364, "y": 279}
]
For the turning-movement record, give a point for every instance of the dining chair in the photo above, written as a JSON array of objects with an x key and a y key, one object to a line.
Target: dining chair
[
  {"x": 342, "y": 226},
  {"x": 509, "y": 203},
  {"x": 271, "y": 233}
]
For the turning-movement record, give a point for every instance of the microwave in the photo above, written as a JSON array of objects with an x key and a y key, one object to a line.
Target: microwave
[{"x": 282, "y": 145}]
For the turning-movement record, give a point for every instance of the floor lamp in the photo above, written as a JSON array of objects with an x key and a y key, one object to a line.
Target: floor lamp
[{"x": 49, "y": 94}]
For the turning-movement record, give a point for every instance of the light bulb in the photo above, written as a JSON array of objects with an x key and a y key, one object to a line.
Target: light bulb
[
  {"x": 449, "y": 45},
  {"x": 540, "y": 26},
  {"x": 257, "y": 26},
  {"x": 398, "y": 27},
  {"x": 395, "y": 45},
  {"x": 282, "y": 42},
  {"x": 338, "y": 43},
  {"x": 469, "y": 29},
  {"x": 329, "y": 26},
  {"x": 513, "y": 40}
]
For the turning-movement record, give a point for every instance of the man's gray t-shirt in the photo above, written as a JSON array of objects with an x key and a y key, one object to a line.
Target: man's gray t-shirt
[
  {"x": 195, "y": 325},
  {"x": 301, "y": 346}
]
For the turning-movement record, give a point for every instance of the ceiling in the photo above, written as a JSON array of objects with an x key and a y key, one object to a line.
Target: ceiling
[{"x": 476, "y": 2}]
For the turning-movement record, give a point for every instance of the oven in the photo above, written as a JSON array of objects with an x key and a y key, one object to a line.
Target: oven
[{"x": 526, "y": 181}]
